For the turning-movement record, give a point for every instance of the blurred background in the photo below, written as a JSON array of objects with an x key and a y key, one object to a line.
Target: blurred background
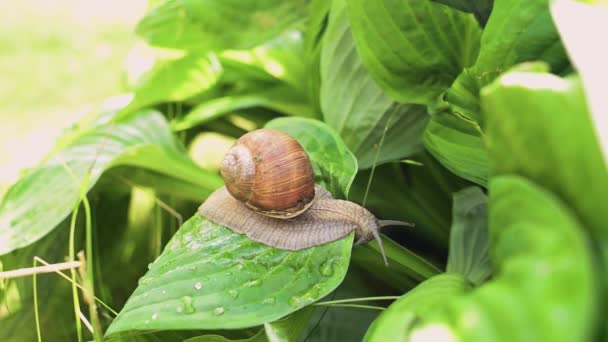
[{"x": 57, "y": 58}]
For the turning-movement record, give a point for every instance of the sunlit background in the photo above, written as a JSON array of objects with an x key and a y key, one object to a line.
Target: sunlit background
[{"x": 57, "y": 58}]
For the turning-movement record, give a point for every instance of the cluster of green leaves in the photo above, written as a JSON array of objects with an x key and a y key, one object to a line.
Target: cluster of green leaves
[{"x": 469, "y": 118}]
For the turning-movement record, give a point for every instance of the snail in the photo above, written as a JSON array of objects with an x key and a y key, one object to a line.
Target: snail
[{"x": 271, "y": 197}]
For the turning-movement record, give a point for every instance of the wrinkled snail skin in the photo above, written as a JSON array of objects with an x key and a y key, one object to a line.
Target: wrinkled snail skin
[
  {"x": 326, "y": 220},
  {"x": 271, "y": 197}
]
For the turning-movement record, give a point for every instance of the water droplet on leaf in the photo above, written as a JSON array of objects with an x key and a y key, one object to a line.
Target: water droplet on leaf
[
  {"x": 218, "y": 311},
  {"x": 294, "y": 301},
  {"x": 154, "y": 316},
  {"x": 187, "y": 303},
  {"x": 198, "y": 285},
  {"x": 327, "y": 268},
  {"x": 270, "y": 300},
  {"x": 233, "y": 293},
  {"x": 252, "y": 283}
]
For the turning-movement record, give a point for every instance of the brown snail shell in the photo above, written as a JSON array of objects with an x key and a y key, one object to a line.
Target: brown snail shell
[
  {"x": 270, "y": 196},
  {"x": 270, "y": 173}
]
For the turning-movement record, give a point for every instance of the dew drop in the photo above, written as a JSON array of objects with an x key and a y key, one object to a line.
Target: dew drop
[
  {"x": 270, "y": 300},
  {"x": 252, "y": 283},
  {"x": 187, "y": 303},
  {"x": 219, "y": 311},
  {"x": 198, "y": 285},
  {"x": 294, "y": 302},
  {"x": 327, "y": 268},
  {"x": 150, "y": 266},
  {"x": 154, "y": 316},
  {"x": 234, "y": 294}
]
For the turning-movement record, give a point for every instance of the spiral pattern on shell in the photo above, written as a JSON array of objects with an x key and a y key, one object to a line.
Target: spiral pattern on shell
[{"x": 270, "y": 173}]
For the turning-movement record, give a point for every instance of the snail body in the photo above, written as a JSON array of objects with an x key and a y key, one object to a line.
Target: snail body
[{"x": 270, "y": 196}]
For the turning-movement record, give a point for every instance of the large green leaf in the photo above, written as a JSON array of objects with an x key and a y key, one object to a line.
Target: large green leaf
[
  {"x": 46, "y": 194},
  {"x": 218, "y": 25},
  {"x": 524, "y": 108},
  {"x": 544, "y": 288},
  {"x": 394, "y": 323},
  {"x": 175, "y": 79},
  {"x": 334, "y": 165},
  {"x": 413, "y": 49},
  {"x": 280, "y": 57},
  {"x": 517, "y": 31},
  {"x": 356, "y": 107},
  {"x": 313, "y": 46},
  {"x": 280, "y": 98},
  {"x": 575, "y": 19},
  {"x": 469, "y": 243},
  {"x": 457, "y": 143},
  {"x": 209, "y": 277}
]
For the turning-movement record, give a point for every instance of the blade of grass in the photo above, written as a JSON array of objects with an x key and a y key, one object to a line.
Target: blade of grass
[
  {"x": 66, "y": 277},
  {"x": 72, "y": 255},
  {"x": 36, "y": 314},
  {"x": 28, "y": 271}
]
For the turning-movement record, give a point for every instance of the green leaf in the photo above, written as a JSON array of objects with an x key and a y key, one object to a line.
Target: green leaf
[
  {"x": 480, "y": 8},
  {"x": 590, "y": 62},
  {"x": 42, "y": 198},
  {"x": 334, "y": 165},
  {"x": 469, "y": 236},
  {"x": 356, "y": 107},
  {"x": 280, "y": 98},
  {"x": 171, "y": 80},
  {"x": 394, "y": 323},
  {"x": 457, "y": 143},
  {"x": 517, "y": 31},
  {"x": 313, "y": 46},
  {"x": 524, "y": 108},
  {"x": 413, "y": 49},
  {"x": 209, "y": 277},
  {"x": 218, "y": 25},
  {"x": 280, "y": 57},
  {"x": 544, "y": 267}
]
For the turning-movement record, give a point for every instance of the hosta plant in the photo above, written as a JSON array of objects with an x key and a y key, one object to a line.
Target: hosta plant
[{"x": 483, "y": 122}]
